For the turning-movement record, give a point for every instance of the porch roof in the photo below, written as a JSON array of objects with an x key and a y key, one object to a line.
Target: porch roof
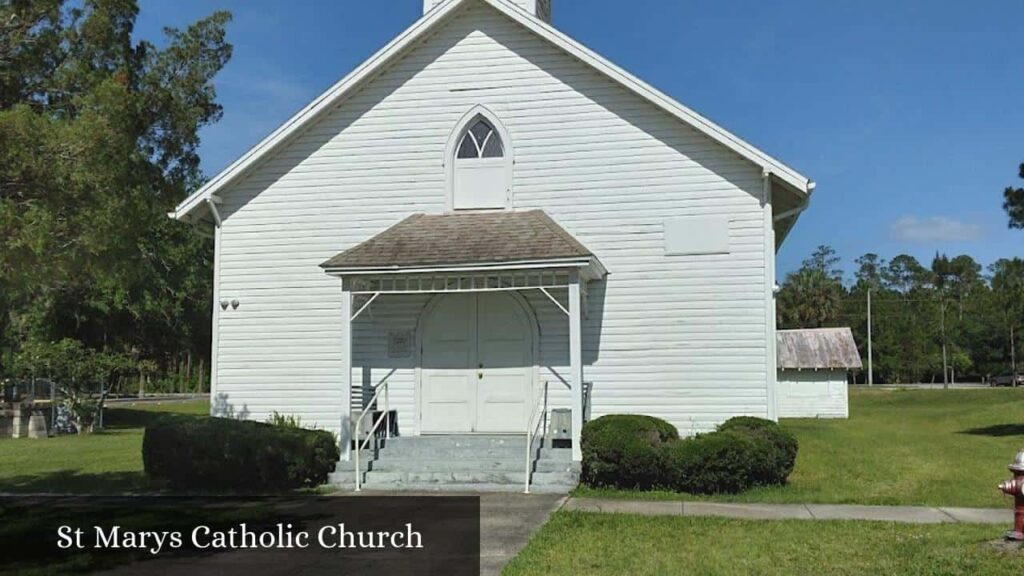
[{"x": 492, "y": 240}]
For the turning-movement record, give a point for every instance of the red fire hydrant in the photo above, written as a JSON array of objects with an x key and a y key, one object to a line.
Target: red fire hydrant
[{"x": 1015, "y": 487}]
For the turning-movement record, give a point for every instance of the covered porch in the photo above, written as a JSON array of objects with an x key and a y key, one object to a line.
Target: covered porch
[{"x": 442, "y": 312}]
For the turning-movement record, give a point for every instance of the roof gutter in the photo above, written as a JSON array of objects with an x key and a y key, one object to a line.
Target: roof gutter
[{"x": 594, "y": 263}]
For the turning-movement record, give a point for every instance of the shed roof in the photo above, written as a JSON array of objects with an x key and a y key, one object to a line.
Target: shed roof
[
  {"x": 818, "y": 348},
  {"x": 460, "y": 239}
]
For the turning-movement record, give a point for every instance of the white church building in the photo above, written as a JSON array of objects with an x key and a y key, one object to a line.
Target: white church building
[{"x": 484, "y": 226}]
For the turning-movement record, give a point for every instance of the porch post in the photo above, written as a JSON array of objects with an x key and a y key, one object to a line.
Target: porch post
[
  {"x": 345, "y": 433},
  {"x": 576, "y": 364}
]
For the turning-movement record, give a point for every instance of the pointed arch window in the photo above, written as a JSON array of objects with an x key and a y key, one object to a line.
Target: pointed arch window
[
  {"x": 481, "y": 141},
  {"x": 479, "y": 165}
]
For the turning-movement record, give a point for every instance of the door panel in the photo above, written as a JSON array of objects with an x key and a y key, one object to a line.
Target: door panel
[
  {"x": 505, "y": 349},
  {"x": 448, "y": 376},
  {"x": 477, "y": 365}
]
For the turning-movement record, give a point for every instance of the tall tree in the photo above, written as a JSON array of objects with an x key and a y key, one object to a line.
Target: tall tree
[
  {"x": 812, "y": 296},
  {"x": 1013, "y": 203},
  {"x": 1008, "y": 286},
  {"x": 98, "y": 140}
]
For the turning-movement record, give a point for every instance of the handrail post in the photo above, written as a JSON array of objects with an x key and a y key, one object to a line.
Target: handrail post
[
  {"x": 386, "y": 416},
  {"x": 358, "y": 475}
]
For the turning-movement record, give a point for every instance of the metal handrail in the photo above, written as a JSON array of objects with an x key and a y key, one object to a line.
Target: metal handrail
[
  {"x": 386, "y": 415},
  {"x": 531, "y": 433}
]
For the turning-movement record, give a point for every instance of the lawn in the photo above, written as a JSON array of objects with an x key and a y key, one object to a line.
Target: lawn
[
  {"x": 595, "y": 544},
  {"x": 922, "y": 447},
  {"x": 105, "y": 462}
]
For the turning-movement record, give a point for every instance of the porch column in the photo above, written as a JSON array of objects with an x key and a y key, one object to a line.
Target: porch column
[
  {"x": 345, "y": 433},
  {"x": 576, "y": 364}
]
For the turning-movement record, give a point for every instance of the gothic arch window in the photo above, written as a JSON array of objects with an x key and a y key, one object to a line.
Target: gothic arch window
[
  {"x": 480, "y": 173},
  {"x": 481, "y": 141}
]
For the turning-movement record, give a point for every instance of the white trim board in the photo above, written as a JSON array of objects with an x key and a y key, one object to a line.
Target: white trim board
[{"x": 424, "y": 26}]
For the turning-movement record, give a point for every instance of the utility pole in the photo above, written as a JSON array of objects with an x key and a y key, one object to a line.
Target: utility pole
[
  {"x": 945, "y": 365},
  {"x": 871, "y": 374},
  {"x": 1013, "y": 352}
]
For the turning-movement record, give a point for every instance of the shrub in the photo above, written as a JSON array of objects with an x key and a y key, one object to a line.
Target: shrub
[
  {"x": 627, "y": 451},
  {"x": 623, "y": 450},
  {"x": 711, "y": 463},
  {"x": 219, "y": 454},
  {"x": 778, "y": 448}
]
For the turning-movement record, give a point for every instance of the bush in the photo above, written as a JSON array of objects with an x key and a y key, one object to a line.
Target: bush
[
  {"x": 627, "y": 451},
  {"x": 219, "y": 454},
  {"x": 778, "y": 448},
  {"x": 623, "y": 450}
]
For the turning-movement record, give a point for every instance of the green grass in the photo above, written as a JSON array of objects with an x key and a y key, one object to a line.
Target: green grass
[
  {"x": 105, "y": 462},
  {"x": 596, "y": 544},
  {"x": 920, "y": 447}
]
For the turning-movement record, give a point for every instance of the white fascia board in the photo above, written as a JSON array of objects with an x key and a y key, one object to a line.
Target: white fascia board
[
  {"x": 479, "y": 267},
  {"x": 702, "y": 124},
  {"x": 326, "y": 100},
  {"x": 424, "y": 25}
]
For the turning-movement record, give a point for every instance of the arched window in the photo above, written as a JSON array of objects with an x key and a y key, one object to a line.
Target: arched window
[
  {"x": 481, "y": 141},
  {"x": 481, "y": 173}
]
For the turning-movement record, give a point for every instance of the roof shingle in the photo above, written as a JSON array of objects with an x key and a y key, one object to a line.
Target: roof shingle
[{"x": 427, "y": 240}]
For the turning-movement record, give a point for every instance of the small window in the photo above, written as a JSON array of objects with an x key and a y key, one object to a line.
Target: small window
[{"x": 481, "y": 141}]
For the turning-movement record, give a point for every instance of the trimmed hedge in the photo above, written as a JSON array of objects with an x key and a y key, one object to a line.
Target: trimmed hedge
[
  {"x": 641, "y": 452},
  {"x": 220, "y": 454},
  {"x": 625, "y": 450}
]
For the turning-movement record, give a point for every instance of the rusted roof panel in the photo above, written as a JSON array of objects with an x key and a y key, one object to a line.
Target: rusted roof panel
[
  {"x": 427, "y": 240},
  {"x": 818, "y": 348}
]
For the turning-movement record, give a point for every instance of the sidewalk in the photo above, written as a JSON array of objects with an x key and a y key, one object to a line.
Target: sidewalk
[{"x": 909, "y": 514}]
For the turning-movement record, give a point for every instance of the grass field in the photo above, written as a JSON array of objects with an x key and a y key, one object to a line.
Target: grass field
[
  {"x": 923, "y": 447},
  {"x": 106, "y": 462},
  {"x": 598, "y": 544}
]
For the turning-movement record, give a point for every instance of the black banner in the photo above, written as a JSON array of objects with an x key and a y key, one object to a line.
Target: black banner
[{"x": 336, "y": 535}]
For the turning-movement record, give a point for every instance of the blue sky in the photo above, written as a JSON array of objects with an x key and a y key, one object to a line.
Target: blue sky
[{"x": 908, "y": 114}]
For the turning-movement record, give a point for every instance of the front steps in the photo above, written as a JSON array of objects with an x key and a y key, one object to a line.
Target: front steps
[{"x": 460, "y": 463}]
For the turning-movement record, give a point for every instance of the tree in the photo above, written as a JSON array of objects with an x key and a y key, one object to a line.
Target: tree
[
  {"x": 1008, "y": 286},
  {"x": 98, "y": 141},
  {"x": 84, "y": 376},
  {"x": 812, "y": 296},
  {"x": 869, "y": 271},
  {"x": 824, "y": 260},
  {"x": 1013, "y": 203}
]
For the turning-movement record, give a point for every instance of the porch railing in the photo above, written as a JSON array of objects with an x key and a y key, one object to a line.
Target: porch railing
[
  {"x": 381, "y": 388},
  {"x": 537, "y": 420}
]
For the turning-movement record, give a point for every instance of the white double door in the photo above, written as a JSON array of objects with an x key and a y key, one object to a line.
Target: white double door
[{"x": 477, "y": 365}]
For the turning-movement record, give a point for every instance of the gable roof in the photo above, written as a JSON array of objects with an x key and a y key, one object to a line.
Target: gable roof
[
  {"x": 818, "y": 348},
  {"x": 427, "y": 24},
  {"x": 464, "y": 239}
]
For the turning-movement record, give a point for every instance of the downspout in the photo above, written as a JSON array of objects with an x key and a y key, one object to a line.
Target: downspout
[
  {"x": 212, "y": 202},
  {"x": 769, "y": 292}
]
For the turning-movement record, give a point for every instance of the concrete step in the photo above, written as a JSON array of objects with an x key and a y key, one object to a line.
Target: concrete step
[
  {"x": 466, "y": 477},
  {"x": 464, "y": 488},
  {"x": 435, "y": 452},
  {"x": 460, "y": 441},
  {"x": 391, "y": 464}
]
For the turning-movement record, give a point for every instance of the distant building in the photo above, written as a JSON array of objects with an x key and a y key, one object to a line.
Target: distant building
[{"x": 813, "y": 367}]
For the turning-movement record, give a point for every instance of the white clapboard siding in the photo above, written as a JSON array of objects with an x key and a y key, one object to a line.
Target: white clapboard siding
[
  {"x": 681, "y": 338},
  {"x": 813, "y": 394}
]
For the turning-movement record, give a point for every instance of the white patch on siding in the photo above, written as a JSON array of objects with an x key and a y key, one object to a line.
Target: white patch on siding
[{"x": 696, "y": 235}]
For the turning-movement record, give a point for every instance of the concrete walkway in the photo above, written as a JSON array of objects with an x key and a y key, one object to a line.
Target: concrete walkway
[
  {"x": 909, "y": 514},
  {"x": 507, "y": 521}
]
